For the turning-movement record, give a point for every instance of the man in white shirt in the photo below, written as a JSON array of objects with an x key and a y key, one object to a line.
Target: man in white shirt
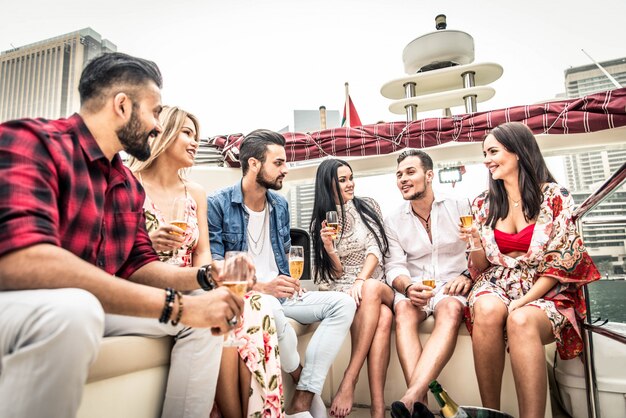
[
  {"x": 250, "y": 216},
  {"x": 423, "y": 235}
]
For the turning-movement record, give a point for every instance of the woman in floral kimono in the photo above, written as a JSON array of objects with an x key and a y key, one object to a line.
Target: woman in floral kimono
[
  {"x": 249, "y": 381},
  {"x": 528, "y": 272}
]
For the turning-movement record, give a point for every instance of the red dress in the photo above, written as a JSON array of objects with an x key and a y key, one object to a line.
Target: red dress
[{"x": 555, "y": 250}]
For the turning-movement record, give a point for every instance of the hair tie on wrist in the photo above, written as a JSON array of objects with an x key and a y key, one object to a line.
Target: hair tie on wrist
[{"x": 406, "y": 289}]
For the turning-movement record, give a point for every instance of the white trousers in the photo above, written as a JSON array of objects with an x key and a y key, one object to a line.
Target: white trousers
[
  {"x": 49, "y": 338},
  {"x": 335, "y": 310}
]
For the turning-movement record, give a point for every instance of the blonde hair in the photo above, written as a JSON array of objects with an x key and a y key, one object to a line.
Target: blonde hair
[{"x": 172, "y": 120}]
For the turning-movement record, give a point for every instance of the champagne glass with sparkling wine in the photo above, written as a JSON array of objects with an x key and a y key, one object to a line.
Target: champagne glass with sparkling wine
[
  {"x": 428, "y": 276},
  {"x": 296, "y": 262},
  {"x": 332, "y": 221},
  {"x": 178, "y": 217},
  {"x": 467, "y": 220},
  {"x": 236, "y": 271}
]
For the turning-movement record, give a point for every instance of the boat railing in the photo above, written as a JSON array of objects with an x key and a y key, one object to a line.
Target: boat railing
[{"x": 612, "y": 183}]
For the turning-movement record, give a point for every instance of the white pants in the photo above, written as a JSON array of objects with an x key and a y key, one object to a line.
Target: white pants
[
  {"x": 48, "y": 339},
  {"x": 335, "y": 310}
]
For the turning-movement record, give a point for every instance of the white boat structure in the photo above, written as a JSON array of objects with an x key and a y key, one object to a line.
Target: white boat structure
[{"x": 441, "y": 74}]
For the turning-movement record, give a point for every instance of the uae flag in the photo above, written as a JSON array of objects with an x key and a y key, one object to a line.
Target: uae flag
[{"x": 350, "y": 116}]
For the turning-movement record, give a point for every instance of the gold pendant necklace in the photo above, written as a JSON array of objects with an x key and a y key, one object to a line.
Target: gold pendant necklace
[{"x": 515, "y": 202}]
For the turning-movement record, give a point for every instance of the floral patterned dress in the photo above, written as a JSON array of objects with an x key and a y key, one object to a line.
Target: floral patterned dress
[
  {"x": 556, "y": 250},
  {"x": 260, "y": 354},
  {"x": 258, "y": 330},
  {"x": 355, "y": 244},
  {"x": 154, "y": 218}
]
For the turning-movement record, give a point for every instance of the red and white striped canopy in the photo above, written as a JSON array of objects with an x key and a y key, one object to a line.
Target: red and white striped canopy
[{"x": 596, "y": 112}]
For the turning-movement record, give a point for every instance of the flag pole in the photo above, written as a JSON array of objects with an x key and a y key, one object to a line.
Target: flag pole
[
  {"x": 604, "y": 71},
  {"x": 347, "y": 105},
  {"x": 322, "y": 117}
]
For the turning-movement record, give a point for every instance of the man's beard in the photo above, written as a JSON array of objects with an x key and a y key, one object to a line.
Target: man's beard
[
  {"x": 418, "y": 195},
  {"x": 267, "y": 183},
  {"x": 135, "y": 139}
]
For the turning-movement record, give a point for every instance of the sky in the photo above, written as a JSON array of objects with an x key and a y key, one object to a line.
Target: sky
[{"x": 240, "y": 65}]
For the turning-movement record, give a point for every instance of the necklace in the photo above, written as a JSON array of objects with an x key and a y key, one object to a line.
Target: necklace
[
  {"x": 254, "y": 243},
  {"x": 425, "y": 220},
  {"x": 515, "y": 202}
]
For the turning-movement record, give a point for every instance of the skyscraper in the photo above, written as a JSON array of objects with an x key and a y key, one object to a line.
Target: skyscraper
[
  {"x": 588, "y": 79},
  {"x": 41, "y": 79},
  {"x": 604, "y": 230}
]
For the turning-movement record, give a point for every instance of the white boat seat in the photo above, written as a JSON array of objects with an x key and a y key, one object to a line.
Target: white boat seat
[{"x": 129, "y": 376}]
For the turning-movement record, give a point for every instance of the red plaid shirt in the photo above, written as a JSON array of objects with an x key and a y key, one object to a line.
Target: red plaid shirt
[{"x": 57, "y": 187}]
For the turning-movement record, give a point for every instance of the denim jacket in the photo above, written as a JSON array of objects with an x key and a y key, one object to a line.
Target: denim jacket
[{"x": 228, "y": 223}]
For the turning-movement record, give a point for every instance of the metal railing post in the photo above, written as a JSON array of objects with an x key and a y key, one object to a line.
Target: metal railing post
[{"x": 591, "y": 384}]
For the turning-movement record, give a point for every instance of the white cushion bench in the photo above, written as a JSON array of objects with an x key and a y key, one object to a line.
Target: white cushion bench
[{"x": 129, "y": 376}]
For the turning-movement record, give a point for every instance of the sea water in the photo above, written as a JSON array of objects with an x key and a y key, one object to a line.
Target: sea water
[{"x": 608, "y": 302}]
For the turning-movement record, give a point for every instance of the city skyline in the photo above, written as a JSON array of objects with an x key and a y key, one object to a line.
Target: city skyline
[
  {"x": 41, "y": 79},
  {"x": 244, "y": 65}
]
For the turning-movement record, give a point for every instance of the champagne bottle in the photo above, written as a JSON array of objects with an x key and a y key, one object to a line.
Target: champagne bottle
[{"x": 449, "y": 408}]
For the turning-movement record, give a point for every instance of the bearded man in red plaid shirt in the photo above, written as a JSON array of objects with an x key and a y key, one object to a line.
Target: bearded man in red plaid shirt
[{"x": 76, "y": 262}]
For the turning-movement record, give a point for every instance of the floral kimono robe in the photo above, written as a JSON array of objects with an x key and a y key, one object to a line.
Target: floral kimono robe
[{"x": 556, "y": 250}]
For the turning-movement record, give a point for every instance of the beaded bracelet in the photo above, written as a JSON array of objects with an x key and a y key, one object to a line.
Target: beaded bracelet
[
  {"x": 166, "y": 313},
  {"x": 180, "y": 308}
]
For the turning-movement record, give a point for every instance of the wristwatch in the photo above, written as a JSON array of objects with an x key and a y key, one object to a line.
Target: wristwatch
[{"x": 205, "y": 280}]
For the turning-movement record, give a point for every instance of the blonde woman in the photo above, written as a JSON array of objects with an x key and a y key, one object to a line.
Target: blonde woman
[{"x": 163, "y": 176}]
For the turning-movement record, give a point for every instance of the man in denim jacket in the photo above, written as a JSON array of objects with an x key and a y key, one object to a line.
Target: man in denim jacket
[{"x": 250, "y": 216}]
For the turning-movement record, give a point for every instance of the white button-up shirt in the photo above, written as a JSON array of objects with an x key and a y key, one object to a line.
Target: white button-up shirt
[{"x": 410, "y": 248}]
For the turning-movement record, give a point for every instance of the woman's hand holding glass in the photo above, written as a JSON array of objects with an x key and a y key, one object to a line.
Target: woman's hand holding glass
[
  {"x": 327, "y": 235},
  {"x": 332, "y": 227},
  {"x": 468, "y": 230},
  {"x": 178, "y": 225},
  {"x": 165, "y": 238}
]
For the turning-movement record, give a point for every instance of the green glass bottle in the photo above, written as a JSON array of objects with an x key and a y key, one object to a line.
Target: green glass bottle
[{"x": 449, "y": 408}]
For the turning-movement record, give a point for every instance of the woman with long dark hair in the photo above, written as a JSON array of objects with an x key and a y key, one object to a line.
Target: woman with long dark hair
[
  {"x": 354, "y": 264},
  {"x": 528, "y": 272}
]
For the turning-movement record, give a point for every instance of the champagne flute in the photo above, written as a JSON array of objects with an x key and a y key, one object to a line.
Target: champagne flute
[
  {"x": 467, "y": 220},
  {"x": 178, "y": 217},
  {"x": 235, "y": 274},
  {"x": 332, "y": 221},
  {"x": 428, "y": 277},
  {"x": 296, "y": 262}
]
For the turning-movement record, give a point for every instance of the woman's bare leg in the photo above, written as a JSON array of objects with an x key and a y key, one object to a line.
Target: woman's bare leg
[
  {"x": 362, "y": 333},
  {"x": 228, "y": 396},
  {"x": 244, "y": 386},
  {"x": 378, "y": 361},
  {"x": 490, "y": 315},
  {"x": 529, "y": 330}
]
